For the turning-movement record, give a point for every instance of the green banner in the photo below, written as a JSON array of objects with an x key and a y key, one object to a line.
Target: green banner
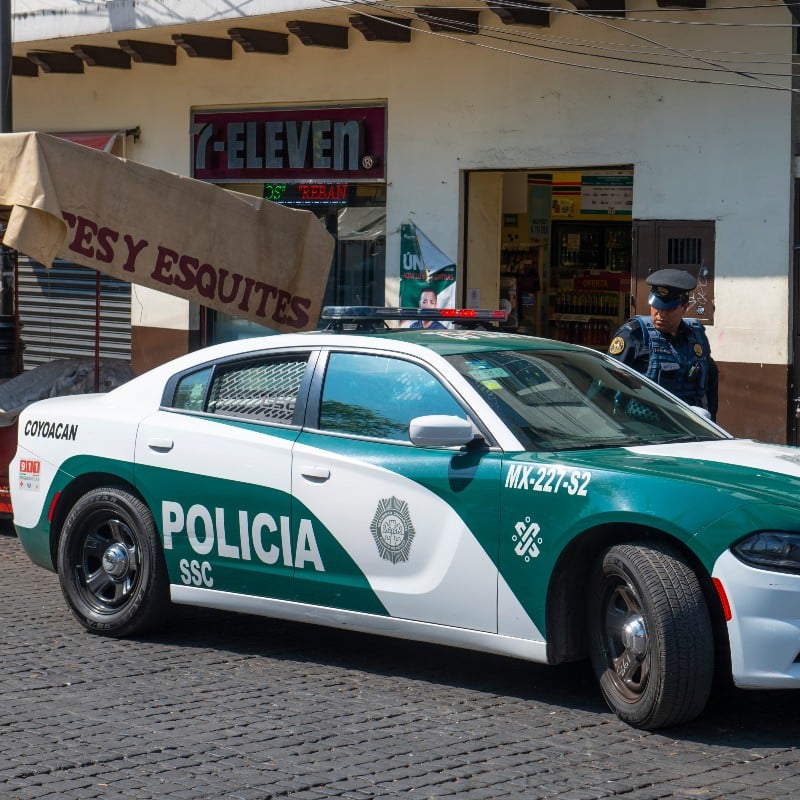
[{"x": 423, "y": 267}]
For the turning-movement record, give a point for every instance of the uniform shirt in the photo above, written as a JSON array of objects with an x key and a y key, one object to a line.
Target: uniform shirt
[{"x": 628, "y": 346}]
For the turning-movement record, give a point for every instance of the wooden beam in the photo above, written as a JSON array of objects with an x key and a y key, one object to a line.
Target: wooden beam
[
  {"x": 55, "y": 61},
  {"x": 319, "y": 34},
  {"x": 23, "y": 67},
  {"x": 204, "y": 46},
  {"x": 255, "y": 41},
  {"x": 682, "y": 3},
  {"x": 609, "y": 8},
  {"x": 102, "y": 56},
  {"x": 150, "y": 52},
  {"x": 450, "y": 20},
  {"x": 521, "y": 12},
  {"x": 382, "y": 29}
]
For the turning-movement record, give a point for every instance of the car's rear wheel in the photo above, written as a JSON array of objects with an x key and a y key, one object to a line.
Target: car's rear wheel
[
  {"x": 110, "y": 564},
  {"x": 651, "y": 641}
]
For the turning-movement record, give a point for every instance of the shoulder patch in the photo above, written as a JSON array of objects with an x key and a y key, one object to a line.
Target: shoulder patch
[
  {"x": 617, "y": 346},
  {"x": 698, "y": 350}
]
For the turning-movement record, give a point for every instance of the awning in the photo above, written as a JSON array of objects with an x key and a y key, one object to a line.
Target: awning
[
  {"x": 235, "y": 253},
  {"x": 99, "y": 140},
  {"x": 361, "y": 223}
]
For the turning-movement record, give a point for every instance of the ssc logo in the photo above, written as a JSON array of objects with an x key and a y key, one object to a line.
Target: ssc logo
[
  {"x": 616, "y": 346},
  {"x": 698, "y": 350},
  {"x": 527, "y": 539},
  {"x": 392, "y": 530}
]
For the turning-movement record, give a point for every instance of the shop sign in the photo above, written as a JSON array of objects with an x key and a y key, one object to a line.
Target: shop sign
[
  {"x": 258, "y": 261},
  {"x": 602, "y": 281},
  {"x": 610, "y": 194},
  {"x": 299, "y": 144}
]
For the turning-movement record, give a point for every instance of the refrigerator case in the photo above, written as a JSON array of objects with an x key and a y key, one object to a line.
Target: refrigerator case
[
  {"x": 520, "y": 284},
  {"x": 589, "y": 281}
]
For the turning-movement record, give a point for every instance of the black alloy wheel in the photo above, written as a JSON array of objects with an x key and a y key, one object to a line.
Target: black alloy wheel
[
  {"x": 110, "y": 564},
  {"x": 651, "y": 642}
]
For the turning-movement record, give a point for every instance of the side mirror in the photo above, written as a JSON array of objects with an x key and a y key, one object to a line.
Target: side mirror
[{"x": 439, "y": 430}]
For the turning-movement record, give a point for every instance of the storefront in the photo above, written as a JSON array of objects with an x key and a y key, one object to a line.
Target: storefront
[
  {"x": 553, "y": 184},
  {"x": 331, "y": 160}
]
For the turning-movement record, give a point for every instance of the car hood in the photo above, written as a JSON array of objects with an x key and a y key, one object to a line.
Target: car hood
[{"x": 748, "y": 469}]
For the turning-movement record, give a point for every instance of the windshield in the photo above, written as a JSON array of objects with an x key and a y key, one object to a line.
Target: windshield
[{"x": 574, "y": 399}]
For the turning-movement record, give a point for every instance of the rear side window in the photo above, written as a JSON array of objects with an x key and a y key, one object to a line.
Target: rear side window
[
  {"x": 376, "y": 396},
  {"x": 191, "y": 392},
  {"x": 264, "y": 390}
]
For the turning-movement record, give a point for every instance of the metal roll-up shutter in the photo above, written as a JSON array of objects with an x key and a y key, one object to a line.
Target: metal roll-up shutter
[{"x": 58, "y": 313}]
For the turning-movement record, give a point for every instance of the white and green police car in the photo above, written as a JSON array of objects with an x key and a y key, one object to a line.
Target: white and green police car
[{"x": 472, "y": 488}]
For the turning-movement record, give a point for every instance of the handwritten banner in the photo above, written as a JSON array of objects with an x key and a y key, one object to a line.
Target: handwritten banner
[{"x": 232, "y": 252}]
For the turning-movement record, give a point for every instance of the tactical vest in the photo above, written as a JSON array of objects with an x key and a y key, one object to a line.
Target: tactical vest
[{"x": 682, "y": 370}]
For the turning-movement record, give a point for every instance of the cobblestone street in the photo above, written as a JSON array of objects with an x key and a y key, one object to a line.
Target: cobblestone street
[{"x": 224, "y": 706}]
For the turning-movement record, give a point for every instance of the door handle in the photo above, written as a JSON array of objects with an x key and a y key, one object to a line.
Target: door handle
[
  {"x": 315, "y": 474},
  {"x": 161, "y": 445}
]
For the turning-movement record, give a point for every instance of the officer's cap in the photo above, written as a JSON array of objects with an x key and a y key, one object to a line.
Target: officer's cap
[{"x": 669, "y": 288}]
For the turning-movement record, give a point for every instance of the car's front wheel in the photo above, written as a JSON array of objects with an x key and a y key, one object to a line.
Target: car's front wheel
[
  {"x": 110, "y": 564},
  {"x": 651, "y": 641}
]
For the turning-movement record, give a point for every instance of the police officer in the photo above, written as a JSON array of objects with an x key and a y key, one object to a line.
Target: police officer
[{"x": 667, "y": 348}]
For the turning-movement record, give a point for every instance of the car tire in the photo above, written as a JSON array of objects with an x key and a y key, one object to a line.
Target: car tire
[
  {"x": 650, "y": 635},
  {"x": 110, "y": 564}
]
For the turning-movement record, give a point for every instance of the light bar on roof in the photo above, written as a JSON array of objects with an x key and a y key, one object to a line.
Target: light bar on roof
[{"x": 376, "y": 313}]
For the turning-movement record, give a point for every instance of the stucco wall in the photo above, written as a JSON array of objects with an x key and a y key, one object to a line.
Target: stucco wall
[{"x": 698, "y": 150}]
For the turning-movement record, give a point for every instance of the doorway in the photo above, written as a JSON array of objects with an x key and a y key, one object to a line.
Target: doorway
[{"x": 553, "y": 247}]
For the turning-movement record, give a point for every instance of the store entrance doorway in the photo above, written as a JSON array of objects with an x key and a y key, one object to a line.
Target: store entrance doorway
[{"x": 554, "y": 248}]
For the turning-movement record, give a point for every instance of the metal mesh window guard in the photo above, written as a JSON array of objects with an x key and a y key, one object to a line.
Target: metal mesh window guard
[{"x": 265, "y": 391}]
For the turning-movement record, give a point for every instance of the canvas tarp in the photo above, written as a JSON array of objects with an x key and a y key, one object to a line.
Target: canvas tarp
[
  {"x": 232, "y": 252},
  {"x": 63, "y": 376}
]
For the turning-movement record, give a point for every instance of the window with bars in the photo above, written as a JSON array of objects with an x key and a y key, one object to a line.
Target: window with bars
[
  {"x": 684, "y": 251},
  {"x": 264, "y": 390},
  {"x": 677, "y": 244}
]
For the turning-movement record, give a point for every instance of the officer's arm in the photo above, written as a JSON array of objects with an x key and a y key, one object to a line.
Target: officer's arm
[{"x": 712, "y": 395}]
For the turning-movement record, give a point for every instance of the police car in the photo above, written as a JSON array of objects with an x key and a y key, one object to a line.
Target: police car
[{"x": 472, "y": 488}]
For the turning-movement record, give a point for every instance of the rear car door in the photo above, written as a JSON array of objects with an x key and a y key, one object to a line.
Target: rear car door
[
  {"x": 214, "y": 465},
  {"x": 408, "y": 532}
]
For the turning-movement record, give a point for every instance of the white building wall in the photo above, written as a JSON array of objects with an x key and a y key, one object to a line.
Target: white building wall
[{"x": 699, "y": 151}]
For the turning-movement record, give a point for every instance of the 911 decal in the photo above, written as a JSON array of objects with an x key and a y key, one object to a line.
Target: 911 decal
[
  {"x": 552, "y": 480},
  {"x": 29, "y": 474}
]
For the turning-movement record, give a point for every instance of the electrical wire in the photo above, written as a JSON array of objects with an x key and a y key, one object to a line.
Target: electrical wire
[
  {"x": 757, "y": 80},
  {"x": 614, "y": 52},
  {"x": 607, "y": 13}
]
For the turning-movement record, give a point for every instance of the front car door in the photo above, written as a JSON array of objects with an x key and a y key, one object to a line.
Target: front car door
[{"x": 409, "y": 532}]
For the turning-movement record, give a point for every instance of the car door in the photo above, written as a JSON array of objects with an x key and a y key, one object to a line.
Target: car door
[
  {"x": 409, "y": 532},
  {"x": 214, "y": 466}
]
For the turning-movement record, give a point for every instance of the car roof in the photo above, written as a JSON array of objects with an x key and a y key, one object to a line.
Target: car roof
[
  {"x": 398, "y": 340},
  {"x": 461, "y": 340}
]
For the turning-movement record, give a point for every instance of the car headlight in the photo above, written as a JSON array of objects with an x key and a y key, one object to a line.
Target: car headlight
[{"x": 778, "y": 550}]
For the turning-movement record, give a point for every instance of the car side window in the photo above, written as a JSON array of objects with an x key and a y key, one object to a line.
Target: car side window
[
  {"x": 371, "y": 395},
  {"x": 264, "y": 390},
  {"x": 190, "y": 394}
]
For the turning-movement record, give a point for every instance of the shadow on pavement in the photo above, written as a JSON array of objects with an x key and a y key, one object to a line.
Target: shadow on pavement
[{"x": 733, "y": 718}]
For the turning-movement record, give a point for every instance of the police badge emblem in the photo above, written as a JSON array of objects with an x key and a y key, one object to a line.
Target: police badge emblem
[
  {"x": 392, "y": 530},
  {"x": 617, "y": 346},
  {"x": 698, "y": 350}
]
